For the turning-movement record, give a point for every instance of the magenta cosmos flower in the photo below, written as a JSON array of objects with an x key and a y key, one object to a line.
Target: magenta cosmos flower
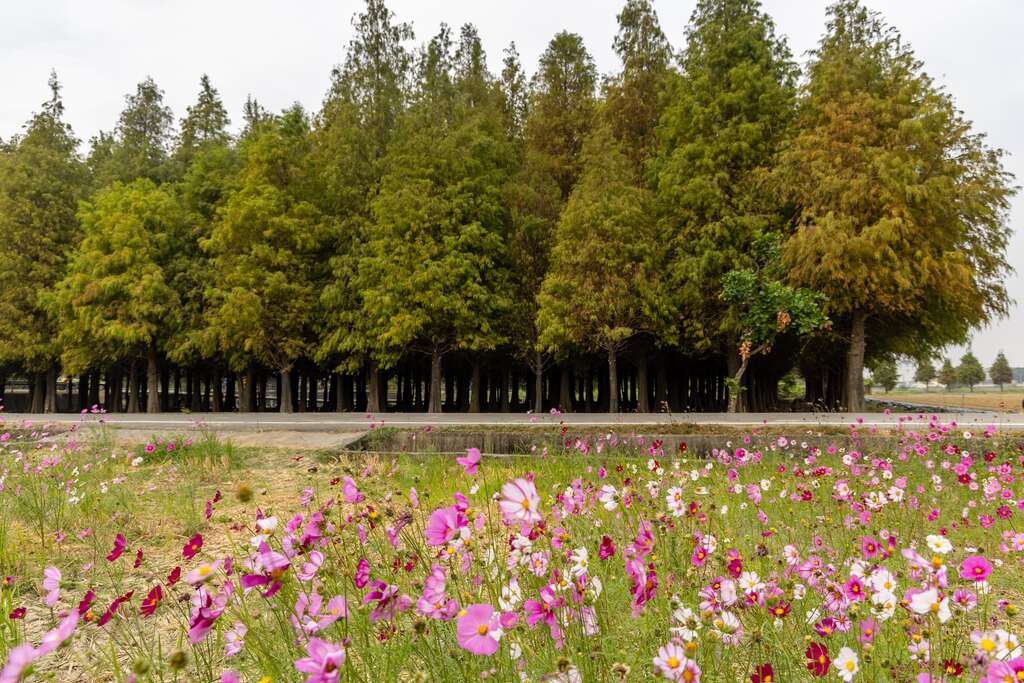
[
  {"x": 520, "y": 501},
  {"x": 323, "y": 663},
  {"x": 975, "y": 568},
  {"x": 479, "y": 630},
  {"x": 444, "y": 525},
  {"x": 470, "y": 461}
]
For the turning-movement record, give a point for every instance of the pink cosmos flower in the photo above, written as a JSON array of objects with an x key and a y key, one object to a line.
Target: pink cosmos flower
[
  {"x": 435, "y": 603},
  {"x": 17, "y": 661},
  {"x": 351, "y": 492},
  {"x": 323, "y": 663},
  {"x": 51, "y": 584},
  {"x": 607, "y": 548},
  {"x": 470, "y": 461},
  {"x": 674, "y": 665},
  {"x": 444, "y": 525},
  {"x": 975, "y": 568},
  {"x": 55, "y": 637},
  {"x": 202, "y": 573},
  {"x": 311, "y": 566},
  {"x": 998, "y": 672},
  {"x": 520, "y": 502},
  {"x": 478, "y": 630}
]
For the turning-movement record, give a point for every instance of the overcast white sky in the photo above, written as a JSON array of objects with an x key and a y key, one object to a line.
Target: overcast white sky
[{"x": 283, "y": 51}]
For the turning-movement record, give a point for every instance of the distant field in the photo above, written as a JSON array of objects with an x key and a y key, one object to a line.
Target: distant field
[{"x": 983, "y": 399}]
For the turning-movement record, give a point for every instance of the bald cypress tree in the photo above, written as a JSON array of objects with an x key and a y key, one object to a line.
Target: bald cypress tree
[
  {"x": 902, "y": 221},
  {"x": 352, "y": 133},
  {"x": 262, "y": 303},
  {"x": 116, "y": 302},
  {"x": 605, "y": 284},
  {"x": 140, "y": 144},
  {"x": 430, "y": 276},
  {"x": 726, "y": 118},
  {"x": 41, "y": 181}
]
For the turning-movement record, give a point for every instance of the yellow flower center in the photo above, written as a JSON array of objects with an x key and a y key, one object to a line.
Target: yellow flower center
[
  {"x": 673, "y": 662},
  {"x": 482, "y": 629}
]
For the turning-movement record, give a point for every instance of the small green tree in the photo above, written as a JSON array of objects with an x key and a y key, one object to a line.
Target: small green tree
[
  {"x": 1001, "y": 373},
  {"x": 947, "y": 375},
  {"x": 925, "y": 372},
  {"x": 970, "y": 371},
  {"x": 766, "y": 308},
  {"x": 885, "y": 374}
]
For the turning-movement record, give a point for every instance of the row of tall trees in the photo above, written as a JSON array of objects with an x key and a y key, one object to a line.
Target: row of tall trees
[{"x": 697, "y": 223}]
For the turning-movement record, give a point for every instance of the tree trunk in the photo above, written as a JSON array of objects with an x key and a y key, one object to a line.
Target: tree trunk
[
  {"x": 38, "y": 401},
  {"x": 475, "y": 389},
  {"x": 507, "y": 387},
  {"x": 643, "y": 389},
  {"x": 734, "y": 398},
  {"x": 94, "y": 390},
  {"x": 3, "y": 389},
  {"x": 133, "y": 389},
  {"x": 50, "y": 398},
  {"x": 247, "y": 391},
  {"x": 565, "y": 389},
  {"x": 434, "y": 405},
  {"x": 538, "y": 384},
  {"x": 216, "y": 406},
  {"x": 372, "y": 387},
  {"x": 197, "y": 393},
  {"x": 83, "y": 391},
  {"x": 152, "y": 381},
  {"x": 285, "y": 399},
  {"x": 613, "y": 381},
  {"x": 855, "y": 364}
]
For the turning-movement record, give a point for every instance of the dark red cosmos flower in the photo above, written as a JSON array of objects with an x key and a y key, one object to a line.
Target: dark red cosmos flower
[
  {"x": 763, "y": 673},
  {"x": 209, "y": 509},
  {"x": 780, "y": 610},
  {"x": 138, "y": 559},
  {"x": 951, "y": 667},
  {"x": 119, "y": 545},
  {"x": 607, "y": 548},
  {"x": 682, "y": 446},
  {"x": 149, "y": 605},
  {"x": 83, "y": 606},
  {"x": 194, "y": 545},
  {"x": 112, "y": 610},
  {"x": 217, "y": 496},
  {"x": 16, "y": 613},
  {"x": 817, "y": 659},
  {"x": 173, "y": 577}
]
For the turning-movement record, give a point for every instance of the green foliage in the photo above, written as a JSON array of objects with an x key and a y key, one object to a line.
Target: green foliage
[
  {"x": 116, "y": 298},
  {"x": 634, "y": 99},
  {"x": 765, "y": 307},
  {"x": 141, "y": 141},
  {"x": 262, "y": 303},
  {"x": 429, "y": 275},
  {"x": 205, "y": 124},
  {"x": 969, "y": 371},
  {"x": 718, "y": 139},
  {"x": 885, "y": 374},
  {"x": 1001, "y": 373},
  {"x": 902, "y": 205},
  {"x": 925, "y": 372},
  {"x": 947, "y": 375},
  {"x": 41, "y": 182},
  {"x": 605, "y": 284},
  {"x": 562, "y": 109}
]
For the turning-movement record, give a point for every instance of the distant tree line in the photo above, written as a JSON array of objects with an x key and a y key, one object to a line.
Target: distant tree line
[
  {"x": 968, "y": 373},
  {"x": 677, "y": 235}
]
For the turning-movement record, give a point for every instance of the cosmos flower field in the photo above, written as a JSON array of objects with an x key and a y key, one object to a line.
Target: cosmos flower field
[{"x": 607, "y": 558}]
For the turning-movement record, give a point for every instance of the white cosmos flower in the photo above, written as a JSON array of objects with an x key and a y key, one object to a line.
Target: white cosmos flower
[
  {"x": 846, "y": 663},
  {"x": 939, "y": 544}
]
